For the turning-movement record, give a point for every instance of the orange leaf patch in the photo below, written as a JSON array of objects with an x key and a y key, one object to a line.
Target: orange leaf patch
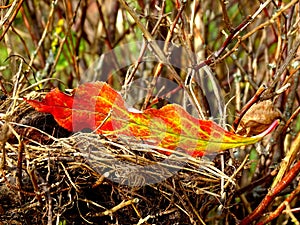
[{"x": 99, "y": 107}]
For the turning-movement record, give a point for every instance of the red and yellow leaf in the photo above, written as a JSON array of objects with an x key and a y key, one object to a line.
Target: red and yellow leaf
[{"x": 99, "y": 107}]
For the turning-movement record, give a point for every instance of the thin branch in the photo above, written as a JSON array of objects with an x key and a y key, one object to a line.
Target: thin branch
[
  {"x": 14, "y": 14},
  {"x": 284, "y": 182},
  {"x": 252, "y": 101},
  {"x": 280, "y": 208},
  {"x": 151, "y": 41}
]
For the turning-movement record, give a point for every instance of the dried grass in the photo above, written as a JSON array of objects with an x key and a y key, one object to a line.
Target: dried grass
[{"x": 117, "y": 180}]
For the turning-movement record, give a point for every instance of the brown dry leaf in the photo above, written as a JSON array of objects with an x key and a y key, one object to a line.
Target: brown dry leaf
[{"x": 258, "y": 118}]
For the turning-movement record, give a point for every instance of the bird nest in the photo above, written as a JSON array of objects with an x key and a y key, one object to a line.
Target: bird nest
[{"x": 49, "y": 175}]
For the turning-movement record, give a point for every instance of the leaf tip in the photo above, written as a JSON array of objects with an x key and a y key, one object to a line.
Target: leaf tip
[{"x": 269, "y": 130}]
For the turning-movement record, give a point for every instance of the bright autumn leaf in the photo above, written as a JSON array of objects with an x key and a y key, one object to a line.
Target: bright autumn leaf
[{"x": 99, "y": 107}]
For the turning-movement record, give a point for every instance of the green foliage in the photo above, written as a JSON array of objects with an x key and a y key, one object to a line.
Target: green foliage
[
  {"x": 253, "y": 158},
  {"x": 297, "y": 127},
  {"x": 63, "y": 222},
  {"x": 169, "y": 6}
]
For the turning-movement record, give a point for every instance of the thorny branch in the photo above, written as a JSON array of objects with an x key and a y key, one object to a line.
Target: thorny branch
[{"x": 284, "y": 182}]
